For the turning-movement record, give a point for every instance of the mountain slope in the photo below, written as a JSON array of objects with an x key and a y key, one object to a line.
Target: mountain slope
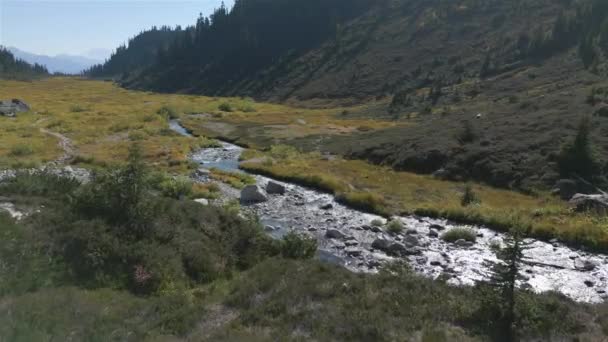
[
  {"x": 67, "y": 64},
  {"x": 139, "y": 52},
  {"x": 521, "y": 73}
]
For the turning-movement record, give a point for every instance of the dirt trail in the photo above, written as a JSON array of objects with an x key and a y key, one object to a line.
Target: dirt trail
[{"x": 66, "y": 145}]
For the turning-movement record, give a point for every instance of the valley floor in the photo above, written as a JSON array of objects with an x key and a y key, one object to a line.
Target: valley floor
[
  {"x": 215, "y": 276},
  {"x": 101, "y": 120}
]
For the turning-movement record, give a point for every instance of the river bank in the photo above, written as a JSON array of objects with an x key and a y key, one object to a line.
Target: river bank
[{"x": 347, "y": 236}]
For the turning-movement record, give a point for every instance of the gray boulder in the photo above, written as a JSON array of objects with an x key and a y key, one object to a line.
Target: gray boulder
[
  {"x": 402, "y": 250},
  {"x": 275, "y": 188},
  {"x": 411, "y": 240},
  {"x": 253, "y": 194},
  {"x": 12, "y": 107},
  {"x": 381, "y": 244},
  {"x": 334, "y": 234},
  {"x": 326, "y": 206},
  {"x": 597, "y": 204}
]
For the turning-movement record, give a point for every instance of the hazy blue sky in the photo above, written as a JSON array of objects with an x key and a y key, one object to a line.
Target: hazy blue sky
[{"x": 77, "y": 26}]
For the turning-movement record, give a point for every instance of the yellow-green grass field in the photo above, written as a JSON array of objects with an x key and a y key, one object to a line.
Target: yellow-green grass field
[
  {"x": 102, "y": 120},
  {"x": 388, "y": 192}
]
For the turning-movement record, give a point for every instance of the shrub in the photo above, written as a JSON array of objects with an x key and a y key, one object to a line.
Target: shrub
[
  {"x": 177, "y": 188},
  {"x": 469, "y": 196},
  {"x": 295, "y": 246},
  {"x": 225, "y": 107},
  {"x": 460, "y": 233},
  {"x": 21, "y": 150},
  {"x": 377, "y": 223},
  {"x": 395, "y": 227},
  {"x": 39, "y": 183},
  {"x": 467, "y": 134},
  {"x": 577, "y": 157},
  {"x": 247, "y": 108},
  {"x": 167, "y": 112}
]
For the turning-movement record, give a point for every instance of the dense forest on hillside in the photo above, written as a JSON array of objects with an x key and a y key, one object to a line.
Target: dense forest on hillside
[
  {"x": 13, "y": 68},
  {"x": 140, "y": 50},
  {"x": 233, "y": 45},
  {"x": 270, "y": 48},
  {"x": 529, "y": 68}
]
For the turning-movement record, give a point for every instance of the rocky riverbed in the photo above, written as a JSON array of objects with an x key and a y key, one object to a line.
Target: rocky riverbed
[{"x": 355, "y": 240}]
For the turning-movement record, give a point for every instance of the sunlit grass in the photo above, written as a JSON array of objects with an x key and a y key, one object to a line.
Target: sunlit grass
[
  {"x": 387, "y": 192},
  {"x": 102, "y": 119}
]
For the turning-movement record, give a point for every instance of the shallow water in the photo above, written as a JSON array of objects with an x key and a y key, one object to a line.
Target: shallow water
[{"x": 548, "y": 266}]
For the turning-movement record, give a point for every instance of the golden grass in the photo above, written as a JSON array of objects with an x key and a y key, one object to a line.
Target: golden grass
[
  {"x": 388, "y": 192},
  {"x": 102, "y": 120}
]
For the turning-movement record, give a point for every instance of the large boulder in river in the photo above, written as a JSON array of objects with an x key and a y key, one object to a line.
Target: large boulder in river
[
  {"x": 253, "y": 194},
  {"x": 275, "y": 188},
  {"x": 334, "y": 234},
  {"x": 597, "y": 204}
]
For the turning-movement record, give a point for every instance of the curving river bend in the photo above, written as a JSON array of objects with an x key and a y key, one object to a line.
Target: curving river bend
[{"x": 577, "y": 274}]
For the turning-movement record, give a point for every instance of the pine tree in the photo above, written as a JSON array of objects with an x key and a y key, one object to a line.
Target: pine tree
[{"x": 504, "y": 277}]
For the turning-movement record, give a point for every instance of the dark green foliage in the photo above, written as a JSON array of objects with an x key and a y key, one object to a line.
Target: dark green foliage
[
  {"x": 141, "y": 50},
  {"x": 13, "y": 68},
  {"x": 225, "y": 107},
  {"x": 295, "y": 246},
  {"x": 39, "y": 183},
  {"x": 234, "y": 43},
  {"x": 467, "y": 134},
  {"x": 167, "y": 112},
  {"x": 469, "y": 196},
  {"x": 577, "y": 156},
  {"x": 114, "y": 231},
  {"x": 501, "y": 303}
]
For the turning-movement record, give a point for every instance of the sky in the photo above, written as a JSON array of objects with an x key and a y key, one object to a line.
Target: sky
[{"x": 87, "y": 27}]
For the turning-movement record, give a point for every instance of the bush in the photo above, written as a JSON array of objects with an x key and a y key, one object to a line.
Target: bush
[
  {"x": 177, "y": 188},
  {"x": 467, "y": 134},
  {"x": 469, "y": 196},
  {"x": 21, "y": 150},
  {"x": 577, "y": 157},
  {"x": 295, "y": 246},
  {"x": 225, "y": 107},
  {"x": 167, "y": 112},
  {"x": 377, "y": 223},
  {"x": 247, "y": 108},
  {"x": 395, "y": 227},
  {"x": 39, "y": 183},
  {"x": 456, "y": 234}
]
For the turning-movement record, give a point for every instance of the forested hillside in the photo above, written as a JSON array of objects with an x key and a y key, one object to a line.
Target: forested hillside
[
  {"x": 12, "y": 68},
  {"x": 343, "y": 49},
  {"x": 140, "y": 51},
  {"x": 516, "y": 75}
]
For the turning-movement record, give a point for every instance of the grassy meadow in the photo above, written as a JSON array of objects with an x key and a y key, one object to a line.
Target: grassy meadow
[
  {"x": 388, "y": 192},
  {"x": 102, "y": 120}
]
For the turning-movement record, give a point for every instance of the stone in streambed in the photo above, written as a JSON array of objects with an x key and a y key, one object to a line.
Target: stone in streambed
[
  {"x": 334, "y": 234},
  {"x": 253, "y": 194},
  {"x": 275, "y": 188}
]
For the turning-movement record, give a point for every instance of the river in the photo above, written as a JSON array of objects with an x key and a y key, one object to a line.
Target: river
[{"x": 577, "y": 274}]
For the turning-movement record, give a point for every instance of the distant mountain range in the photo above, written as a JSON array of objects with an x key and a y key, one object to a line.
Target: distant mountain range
[{"x": 68, "y": 64}]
